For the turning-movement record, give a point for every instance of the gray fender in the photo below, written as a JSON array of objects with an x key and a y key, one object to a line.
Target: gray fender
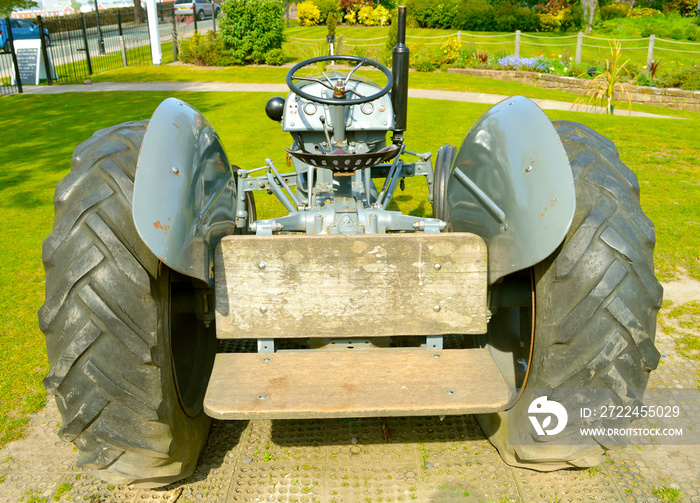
[
  {"x": 511, "y": 183},
  {"x": 184, "y": 191}
]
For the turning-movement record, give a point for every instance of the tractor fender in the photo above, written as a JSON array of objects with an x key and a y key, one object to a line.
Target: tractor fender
[
  {"x": 184, "y": 190},
  {"x": 511, "y": 183}
]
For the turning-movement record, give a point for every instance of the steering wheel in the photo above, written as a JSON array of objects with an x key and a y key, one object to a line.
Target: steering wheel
[{"x": 338, "y": 88}]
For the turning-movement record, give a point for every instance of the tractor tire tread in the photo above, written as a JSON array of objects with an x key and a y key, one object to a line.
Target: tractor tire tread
[
  {"x": 100, "y": 319},
  {"x": 597, "y": 301}
]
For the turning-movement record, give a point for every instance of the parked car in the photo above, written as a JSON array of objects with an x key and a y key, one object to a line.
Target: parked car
[
  {"x": 202, "y": 8},
  {"x": 21, "y": 29}
]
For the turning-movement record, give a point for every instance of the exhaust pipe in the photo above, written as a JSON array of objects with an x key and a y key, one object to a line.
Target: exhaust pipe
[{"x": 399, "y": 69}]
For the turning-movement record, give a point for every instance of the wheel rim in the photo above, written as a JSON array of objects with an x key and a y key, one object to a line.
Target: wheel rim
[{"x": 192, "y": 344}]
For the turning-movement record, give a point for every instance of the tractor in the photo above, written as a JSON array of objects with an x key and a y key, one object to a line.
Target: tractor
[{"x": 169, "y": 303}]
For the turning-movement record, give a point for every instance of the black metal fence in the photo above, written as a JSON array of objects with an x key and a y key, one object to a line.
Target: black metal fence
[
  {"x": 80, "y": 45},
  {"x": 10, "y": 83},
  {"x": 90, "y": 43}
]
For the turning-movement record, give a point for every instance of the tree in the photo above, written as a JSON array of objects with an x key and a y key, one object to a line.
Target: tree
[
  {"x": 139, "y": 13},
  {"x": 589, "y": 12},
  {"x": 9, "y": 6}
]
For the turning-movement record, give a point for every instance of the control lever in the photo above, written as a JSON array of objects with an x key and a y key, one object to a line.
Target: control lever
[{"x": 325, "y": 130}]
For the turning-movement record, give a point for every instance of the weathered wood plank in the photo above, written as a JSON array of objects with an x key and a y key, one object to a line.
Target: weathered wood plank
[
  {"x": 363, "y": 286},
  {"x": 350, "y": 383}
]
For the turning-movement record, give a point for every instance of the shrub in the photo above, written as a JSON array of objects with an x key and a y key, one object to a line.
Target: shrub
[
  {"x": 683, "y": 7},
  {"x": 364, "y": 15},
  {"x": 275, "y": 57},
  {"x": 331, "y": 23},
  {"x": 476, "y": 15},
  {"x": 643, "y": 12},
  {"x": 568, "y": 22},
  {"x": 688, "y": 78},
  {"x": 251, "y": 28},
  {"x": 202, "y": 50},
  {"x": 351, "y": 7},
  {"x": 434, "y": 13},
  {"x": 561, "y": 21},
  {"x": 380, "y": 16},
  {"x": 450, "y": 50},
  {"x": 576, "y": 16},
  {"x": 615, "y": 10},
  {"x": 326, "y": 7},
  {"x": 549, "y": 22},
  {"x": 308, "y": 14},
  {"x": 444, "y": 15},
  {"x": 422, "y": 59},
  {"x": 511, "y": 17},
  {"x": 348, "y": 5},
  {"x": 552, "y": 7},
  {"x": 393, "y": 37}
]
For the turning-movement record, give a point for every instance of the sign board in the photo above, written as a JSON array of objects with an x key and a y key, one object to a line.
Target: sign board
[{"x": 31, "y": 62}]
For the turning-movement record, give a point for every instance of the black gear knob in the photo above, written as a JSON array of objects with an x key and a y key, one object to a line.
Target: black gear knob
[{"x": 274, "y": 108}]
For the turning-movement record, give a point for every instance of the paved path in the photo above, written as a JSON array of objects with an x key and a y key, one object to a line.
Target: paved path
[{"x": 226, "y": 87}]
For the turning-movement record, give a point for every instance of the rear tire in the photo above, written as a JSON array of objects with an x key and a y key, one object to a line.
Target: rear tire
[
  {"x": 596, "y": 301},
  {"x": 443, "y": 167},
  {"x": 200, "y": 15},
  {"x": 120, "y": 328}
]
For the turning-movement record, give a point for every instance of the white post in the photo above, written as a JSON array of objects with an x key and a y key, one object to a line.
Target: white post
[
  {"x": 650, "y": 53},
  {"x": 156, "y": 54},
  {"x": 579, "y": 47},
  {"x": 123, "y": 46},
  {"x": 517, "y": 43}
]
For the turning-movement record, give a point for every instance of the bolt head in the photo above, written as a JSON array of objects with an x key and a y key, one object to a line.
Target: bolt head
[
  {"x": 438, "y": 267},
  {"x": 263, "y": 309},
  {"x": 436, "y": 308},
  {"x": 262, "y": 265},
  {"x": 175, "y": 170},
  {"x": 529, "y": 168}
]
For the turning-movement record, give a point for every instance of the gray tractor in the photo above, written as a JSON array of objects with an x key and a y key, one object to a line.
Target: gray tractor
[{"x": 169, "y": 303}]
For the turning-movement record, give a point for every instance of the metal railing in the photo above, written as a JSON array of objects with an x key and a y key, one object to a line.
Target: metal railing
[
  {"x": 10, "y": 83},
  {"x": 80, "y": 45},
  {"x": 90, "y": 43}
]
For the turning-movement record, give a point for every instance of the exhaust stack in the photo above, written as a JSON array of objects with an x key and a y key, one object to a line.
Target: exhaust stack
[{"x": 399, "y": 69}]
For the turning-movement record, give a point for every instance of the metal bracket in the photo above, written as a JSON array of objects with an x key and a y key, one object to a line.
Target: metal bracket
[
  {"x": 266, "y": 345},
  {"x": 433, "y": 342}
]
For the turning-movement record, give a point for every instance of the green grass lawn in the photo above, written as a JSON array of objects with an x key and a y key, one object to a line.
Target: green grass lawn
[{"x": 40, "y": 134}]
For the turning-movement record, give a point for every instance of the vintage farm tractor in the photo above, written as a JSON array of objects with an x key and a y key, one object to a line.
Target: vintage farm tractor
[{"x": 535, "y": 272}]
